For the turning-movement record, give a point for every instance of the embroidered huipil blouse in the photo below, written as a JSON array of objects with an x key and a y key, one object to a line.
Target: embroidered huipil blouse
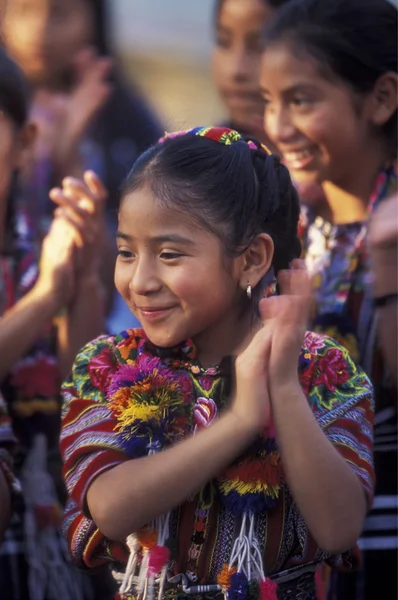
[{"x": 108, "y": 418}]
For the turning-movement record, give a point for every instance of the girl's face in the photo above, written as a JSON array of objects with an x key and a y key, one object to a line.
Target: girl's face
[
  {"x": 44, "y": 36},
  {"x": 318, "y": 125},
  {"x": 236, "y": 58},
  {"x": 172, "y": 274}
]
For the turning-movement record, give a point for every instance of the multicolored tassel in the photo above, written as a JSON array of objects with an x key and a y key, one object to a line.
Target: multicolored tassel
[
  {"x": 239, "y": 588},
  {"x": 268, "y": 590}
]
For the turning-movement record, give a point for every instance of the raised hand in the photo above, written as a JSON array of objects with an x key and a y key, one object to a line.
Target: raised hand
[
  {"x": 57, "y": 279},
  {"x": 81, "y": 204},
  {"x": 270, "y": 360},
  {"x": 285, "y": 320}
]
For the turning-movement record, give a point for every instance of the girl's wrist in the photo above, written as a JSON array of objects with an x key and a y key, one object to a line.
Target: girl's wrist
[
  {"x": 50, "y": 299},
  {"x": 244, "y": 422},
  {"x": 286, "y": 391}
]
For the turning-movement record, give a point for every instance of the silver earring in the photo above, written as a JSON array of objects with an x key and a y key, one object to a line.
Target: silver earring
[{"x": 249, "y": 291}]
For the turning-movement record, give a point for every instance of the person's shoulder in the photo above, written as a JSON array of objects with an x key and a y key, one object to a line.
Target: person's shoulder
[
  {"x": 99, "y": 359},
  {"x": 329, "y": 376},
  {"x": 118, "y": 347}
]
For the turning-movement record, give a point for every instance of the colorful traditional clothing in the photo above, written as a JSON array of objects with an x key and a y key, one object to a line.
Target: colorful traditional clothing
[
  {"x": 126, "y": 398},
  {"x": 337, "y": 259}
]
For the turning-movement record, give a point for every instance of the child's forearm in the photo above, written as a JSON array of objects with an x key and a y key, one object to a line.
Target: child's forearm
[
  {"x": 23, "y": 325},
  {"x": 83, "y": 322},
  {"x": 327, "y": 492},
  {"x": 130, "y": 495}
]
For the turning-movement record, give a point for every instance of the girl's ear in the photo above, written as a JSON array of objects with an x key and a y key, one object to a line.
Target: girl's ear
[
  {"x": 256, "y": 261},
  {"x": 25, "y": 145},
  {"x": 384, "y": 99}
]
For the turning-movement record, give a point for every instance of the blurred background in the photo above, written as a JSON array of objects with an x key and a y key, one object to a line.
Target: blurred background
[{"x": 165, "y": 46}]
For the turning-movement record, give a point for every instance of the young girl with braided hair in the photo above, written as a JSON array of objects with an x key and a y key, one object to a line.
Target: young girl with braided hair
[{"x": 221, "y": 450}]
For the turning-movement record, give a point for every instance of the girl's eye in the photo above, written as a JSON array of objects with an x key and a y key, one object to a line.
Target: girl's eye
[
  {"x": 301, "y": 101},
  {"x": 222, "y": 42},
  {"x": 255, "y": 45},
  {"x": 170, "y": 255},
  {"x": 125, "y": 254}
]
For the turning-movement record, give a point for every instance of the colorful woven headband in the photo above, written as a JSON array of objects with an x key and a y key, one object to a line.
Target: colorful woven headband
[{"x": 222, "y": 135}]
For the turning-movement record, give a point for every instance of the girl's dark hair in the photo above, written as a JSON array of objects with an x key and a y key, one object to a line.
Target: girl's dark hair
[
  {"x": 14, "y": 90},
  {"x": 353, "y": 39},
  {"x": 271, "y": 3},
  {"x": 101, "y": 27},
  {"x": 14, "y": 101},
  {"x": 231, "y": 190}
]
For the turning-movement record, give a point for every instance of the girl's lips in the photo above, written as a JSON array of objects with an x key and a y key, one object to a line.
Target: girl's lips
[
  {"x": 299, "y": 159},
  {"x": 154, "y": 313}
]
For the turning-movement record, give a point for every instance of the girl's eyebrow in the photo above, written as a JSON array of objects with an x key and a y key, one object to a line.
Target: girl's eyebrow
[
  {"x": 160, "y": 239},
  {"x": 294, "y": 88},
  {"x": 123, "y": 236}
]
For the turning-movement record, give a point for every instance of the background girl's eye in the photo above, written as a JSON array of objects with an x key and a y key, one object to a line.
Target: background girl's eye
[
  {"x": 301, "y": 101},
  {"x": 222, "y": 42}
]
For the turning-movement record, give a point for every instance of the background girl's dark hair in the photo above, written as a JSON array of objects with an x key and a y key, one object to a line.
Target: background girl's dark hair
[
  {"x": 101, "y": 27},
  {"x": 353, "y": 39},
  {"x": 14, "y": 90},
  {"x": 271, "y": 3},
  {"x": 14, "y": 101},
  {"x": 232, "y": 191}
]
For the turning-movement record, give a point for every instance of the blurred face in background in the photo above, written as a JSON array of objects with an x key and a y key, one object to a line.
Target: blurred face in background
[
  {"x": 44, "y": 36},
  {"x": 236, "y": 59}
]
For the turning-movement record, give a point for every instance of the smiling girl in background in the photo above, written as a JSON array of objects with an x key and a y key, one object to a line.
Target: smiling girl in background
[{"x": 330, "y": 90}]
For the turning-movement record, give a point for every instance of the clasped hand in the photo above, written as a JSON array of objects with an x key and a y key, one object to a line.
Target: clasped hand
[{"x": 269, "y": 364}]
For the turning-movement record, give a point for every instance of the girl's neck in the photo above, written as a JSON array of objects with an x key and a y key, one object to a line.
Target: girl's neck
[
  {"x": 347, "y": 201},
  {"x": 227, "y": 338}
]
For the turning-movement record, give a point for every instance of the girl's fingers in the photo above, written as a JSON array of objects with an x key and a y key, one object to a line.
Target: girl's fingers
[
  {"x": 90, "y": 192},
  {"x": 298, "y": 264},
  {"x": 68, "y": 204},
  {"x": 295, "y": 281},
  {"x": 95, "y": 186},
  {"x": 269, "y": 308},
  {"x": 80, "y": 235}
]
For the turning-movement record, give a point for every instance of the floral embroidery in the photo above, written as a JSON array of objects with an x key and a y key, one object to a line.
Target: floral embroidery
[
  {"x": 332, "y": 370},
  {"x": 101, "y": 368},
  {"x": 337, "y": 260},
  {"x": 205, "y": 412}
]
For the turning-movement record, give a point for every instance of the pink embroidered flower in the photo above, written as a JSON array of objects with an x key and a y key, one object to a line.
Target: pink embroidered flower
[
  {"x": 332, "y": 370},
  {"x": 313, "y": 342},
  {"x": 100, "y": 369},
  {"x": 205, "y": 412},
  {"x": 37, "y": 378}
]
